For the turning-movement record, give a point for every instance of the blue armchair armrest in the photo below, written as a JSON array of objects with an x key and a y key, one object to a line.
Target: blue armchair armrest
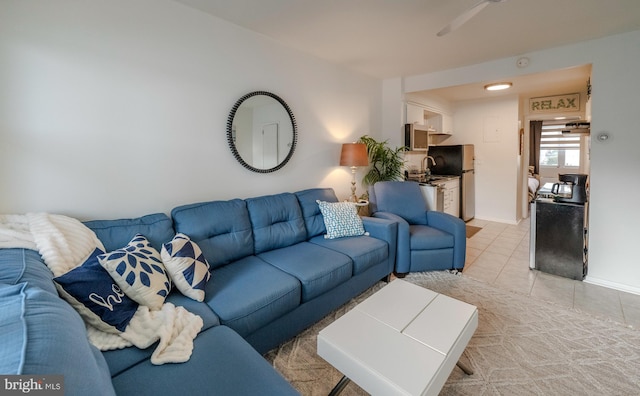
[{"x": 455, "y": 227}]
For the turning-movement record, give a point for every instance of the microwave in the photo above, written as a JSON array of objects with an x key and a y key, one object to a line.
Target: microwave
[{"x": 416, "y": 137}]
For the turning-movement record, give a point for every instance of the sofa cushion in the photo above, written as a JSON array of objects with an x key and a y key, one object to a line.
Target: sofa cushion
[
  {"x": 24, "y": 265},
  {"x": 12, "y": 327},
  {"x": 313, "y": 219},
  {"x": 93, "y": 293},
  {"x": 317, "y": 268},
  {"x": 137, "y": 268},
  {"x": 341, "y": 219},
  {"x": 222, "y": 363},
  {"x": 250, "y": 293},
  {"x": 364, "y": 251},
  {"x": 276, "y": 220},
  {"x": 53, "y": 341},
  {"x": 120, "y": 360},
  {"x": 209, "y": 318},
  {"x": 222, "y": 229},
  {"x": 114, "y": 234},
  {"x": 428, "y": 238},
  {"x": 186, "y": 265}
]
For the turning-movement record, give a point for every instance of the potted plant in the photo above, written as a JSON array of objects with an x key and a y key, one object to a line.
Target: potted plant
[{"x": 385, "y": 163}]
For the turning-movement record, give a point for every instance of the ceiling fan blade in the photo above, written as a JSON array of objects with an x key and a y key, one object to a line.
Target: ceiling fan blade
[{"x": 464, "y": 17}]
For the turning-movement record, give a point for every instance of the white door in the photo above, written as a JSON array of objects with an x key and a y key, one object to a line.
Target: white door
[{"x": 270, "y": 146}]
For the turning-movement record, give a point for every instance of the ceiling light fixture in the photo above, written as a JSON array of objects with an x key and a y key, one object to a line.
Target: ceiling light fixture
[{"x": 498, "y": 86}]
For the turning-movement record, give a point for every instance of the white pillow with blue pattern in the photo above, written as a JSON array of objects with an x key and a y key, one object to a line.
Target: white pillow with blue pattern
[
  {"x": 341, "y": 219},
  {"x": 137, "y": 268},
  {"x": 186, "y": 265}
]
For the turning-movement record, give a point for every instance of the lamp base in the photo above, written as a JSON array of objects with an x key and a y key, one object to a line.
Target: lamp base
[{"x": 353, "y": 197}]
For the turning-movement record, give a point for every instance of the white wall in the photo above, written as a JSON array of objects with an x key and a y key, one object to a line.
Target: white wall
[
  {"x": 118, "y": 108},
  {"x": 492, "y": 127},
  {"x": 614, "y": 215},
  {"x": 613, "y": 254}
]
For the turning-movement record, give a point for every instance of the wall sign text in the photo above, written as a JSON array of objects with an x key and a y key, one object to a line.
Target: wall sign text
[{"x": 548, "y": 104}]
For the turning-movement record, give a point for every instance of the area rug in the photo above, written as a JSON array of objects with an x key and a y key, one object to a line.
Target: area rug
[
  {"x": 472, "y": 230},
  {"x": 522, "y": 346}
]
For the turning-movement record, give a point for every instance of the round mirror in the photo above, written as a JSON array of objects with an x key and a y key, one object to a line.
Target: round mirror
[{"x": 261, "y": 132}]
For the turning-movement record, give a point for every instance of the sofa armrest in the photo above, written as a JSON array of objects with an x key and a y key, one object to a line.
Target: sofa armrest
[
  {"x": 455, "y": 227},
  {"x": 386, "y": 230},
  {"x": 403, "y": 254}
]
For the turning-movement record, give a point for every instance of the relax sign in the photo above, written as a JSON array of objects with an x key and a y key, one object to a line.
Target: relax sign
[{"x": 545, "y": 104}]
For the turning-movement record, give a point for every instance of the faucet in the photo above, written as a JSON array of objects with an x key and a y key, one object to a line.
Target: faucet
[{"x": 422, "y": 164}]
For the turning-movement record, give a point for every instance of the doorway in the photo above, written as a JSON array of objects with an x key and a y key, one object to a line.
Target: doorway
[
  {"x": 269, "y": 145},
  {"x": 561, "y": 152}
]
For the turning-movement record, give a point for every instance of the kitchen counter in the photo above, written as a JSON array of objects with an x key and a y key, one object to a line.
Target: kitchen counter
[{"x": 436, "y": 180}]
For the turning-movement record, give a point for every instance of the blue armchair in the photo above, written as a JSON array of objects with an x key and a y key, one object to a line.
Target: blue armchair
[{"x": 427, "y": 240}]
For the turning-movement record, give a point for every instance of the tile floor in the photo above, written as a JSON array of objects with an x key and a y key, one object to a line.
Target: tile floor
[{"x": 499, "y": 254}]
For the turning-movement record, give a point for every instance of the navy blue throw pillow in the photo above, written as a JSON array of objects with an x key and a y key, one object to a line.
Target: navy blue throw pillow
[{"x": 98, "y": 299}]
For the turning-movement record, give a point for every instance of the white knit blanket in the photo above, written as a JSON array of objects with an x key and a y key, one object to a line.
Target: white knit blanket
[{"x": 65, "y": 243}]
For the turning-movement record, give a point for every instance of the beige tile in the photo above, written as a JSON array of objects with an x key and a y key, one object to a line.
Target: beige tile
[
  {"x": 471, "y": 255},
  {"x": 553, "y": 288},
  {"x": 484, "y": 274},
  {"x": 479, "y": 243},
  {"x": 499, "y": 254},
  {"x": 523, "y": 246},
  {"x": 517, "y": 278},
  {"x": 492, "y": 258},
  {"x": 521, "y": 255},
  {"x": 599, "y": 301},
  {"x": 488, "y": 236},
  {"x": 504, "y": 244},
  {"x": 477, "y": 222},
  {"x": 500, "y": 249},
  {"x": 513, "y": 234},
  {"x": 518, "y": 262},
  {"x": 496, "y": 227},
  {"x": 630, "y": 308},
  {"x": 511, "y": 238}
]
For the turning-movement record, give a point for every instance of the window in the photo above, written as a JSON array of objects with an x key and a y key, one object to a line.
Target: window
[{"x": 558, "y": 149}]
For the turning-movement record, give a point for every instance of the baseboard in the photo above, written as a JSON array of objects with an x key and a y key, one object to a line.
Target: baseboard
[
  {"x": 496, "y": 220},
  {"x": 612, "y": 285}
]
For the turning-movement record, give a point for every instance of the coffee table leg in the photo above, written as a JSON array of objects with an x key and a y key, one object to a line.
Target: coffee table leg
[
  {"x": 344, "y": 381},
  {"x": 467, "y": 370}
]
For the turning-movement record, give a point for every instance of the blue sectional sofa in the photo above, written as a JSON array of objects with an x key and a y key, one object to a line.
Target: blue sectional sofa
[{"x": 273, "y": 274}]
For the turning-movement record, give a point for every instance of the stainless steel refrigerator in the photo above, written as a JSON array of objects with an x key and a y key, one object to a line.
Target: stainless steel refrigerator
[{"x": 457, "y": 160}]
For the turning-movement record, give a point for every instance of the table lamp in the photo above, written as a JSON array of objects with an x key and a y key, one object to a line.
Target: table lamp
[{"x": 354, "y": 155}]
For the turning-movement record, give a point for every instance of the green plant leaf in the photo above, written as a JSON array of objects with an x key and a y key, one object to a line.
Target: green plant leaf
[{"x": 385, "y": 163}]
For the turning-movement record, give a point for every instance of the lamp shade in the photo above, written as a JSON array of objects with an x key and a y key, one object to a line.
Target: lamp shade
[{"x": 354, "y": 154}]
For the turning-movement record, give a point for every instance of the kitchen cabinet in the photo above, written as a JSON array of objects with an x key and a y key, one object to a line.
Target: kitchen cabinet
[
  {"x": 437, "y": 122},
  {"x": 447, "y": 124},
  {"x": 414, "y": 114},
  {"x": 451, "y": 197},
  {"x": 443, "y": 195}
]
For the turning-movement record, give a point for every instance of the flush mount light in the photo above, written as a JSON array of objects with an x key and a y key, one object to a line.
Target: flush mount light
[{"x": 498, "y": 86}]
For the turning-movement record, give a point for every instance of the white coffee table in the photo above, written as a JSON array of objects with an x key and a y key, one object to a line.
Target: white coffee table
[{"x": 402, "y": 340}]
